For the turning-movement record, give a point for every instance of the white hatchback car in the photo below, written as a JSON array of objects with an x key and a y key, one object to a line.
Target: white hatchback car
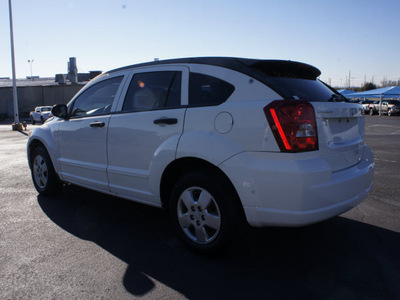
[{"x": 215, "y": 141}]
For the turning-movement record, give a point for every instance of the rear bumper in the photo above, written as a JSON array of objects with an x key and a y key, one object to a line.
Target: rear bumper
[
  {"x": 277, "y": 190},
  {"x": 264, "y": 216}
]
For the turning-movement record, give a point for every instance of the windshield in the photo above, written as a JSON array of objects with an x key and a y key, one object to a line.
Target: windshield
[{"x": 395, "y": 102}]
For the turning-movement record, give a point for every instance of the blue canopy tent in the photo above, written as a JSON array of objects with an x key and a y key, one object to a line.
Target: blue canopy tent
[
  {"x": 345, "y": 92},
  {"x": 384, "y": 93}
]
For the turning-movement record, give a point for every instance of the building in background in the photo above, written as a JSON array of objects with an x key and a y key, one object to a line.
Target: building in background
[{"x": 35, "y": 91}]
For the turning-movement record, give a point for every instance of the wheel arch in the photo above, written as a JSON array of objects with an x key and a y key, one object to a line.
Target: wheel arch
[
  {"x": 185, "y": 165},
  {"x": 50, "y": 183},
  {"x": 33, "y": 144}
]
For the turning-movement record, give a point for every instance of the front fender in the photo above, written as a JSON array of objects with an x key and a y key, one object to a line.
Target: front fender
[{"x": 46, "y": 135}]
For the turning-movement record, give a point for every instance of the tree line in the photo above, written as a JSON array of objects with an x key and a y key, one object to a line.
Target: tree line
[{"x": 367, "y": 86}]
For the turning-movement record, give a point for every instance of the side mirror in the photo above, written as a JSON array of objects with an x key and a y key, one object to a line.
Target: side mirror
[{"x": 60, "y": 110}]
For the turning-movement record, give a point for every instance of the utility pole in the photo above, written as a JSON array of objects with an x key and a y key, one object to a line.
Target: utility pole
[
  {"x": 30, "y": 61},
  {"x": 16, "y": 115},
  {"x": 349, "y": 80}
]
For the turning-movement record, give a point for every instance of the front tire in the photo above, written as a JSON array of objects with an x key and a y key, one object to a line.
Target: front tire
[
  {"x": 43, "y": 174},
  {"x": 204, "y": 212},
  {"x": 371, "y": 112},
  {"x": 33, "y": 121}
]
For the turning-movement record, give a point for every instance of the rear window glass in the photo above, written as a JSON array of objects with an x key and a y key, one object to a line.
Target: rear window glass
[
  {"x": 208, "y": 90},
  {"x": 294, "y": 80},
  {"x": 304, "y": 89}
]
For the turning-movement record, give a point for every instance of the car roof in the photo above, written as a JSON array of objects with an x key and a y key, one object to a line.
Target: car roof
[{"x": 251, "y": 67}]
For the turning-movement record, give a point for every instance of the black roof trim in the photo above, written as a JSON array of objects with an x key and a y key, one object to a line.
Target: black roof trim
[
  {"x": 273, "y": 68},
  {"x": 262, "y": 70}
]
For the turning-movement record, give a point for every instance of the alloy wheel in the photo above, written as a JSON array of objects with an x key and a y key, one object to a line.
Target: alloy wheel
[
  {"x": 40, "y": 171},
  {"x": 199, "y": 215}
]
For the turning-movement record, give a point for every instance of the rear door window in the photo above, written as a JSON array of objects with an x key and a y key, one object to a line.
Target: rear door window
[{"x": 153, "y": 90}]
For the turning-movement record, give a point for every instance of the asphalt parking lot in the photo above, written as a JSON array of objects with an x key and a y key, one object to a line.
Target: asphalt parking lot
[{"x": 84, "y": 245}]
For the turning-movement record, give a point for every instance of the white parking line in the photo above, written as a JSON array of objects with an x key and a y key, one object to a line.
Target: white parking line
[{"x": 385, "y": 160}]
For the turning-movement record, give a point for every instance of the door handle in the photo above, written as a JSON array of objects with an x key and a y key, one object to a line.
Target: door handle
[
  {"x": 97, "y": 124},
  {"x": 168, "y": 121}
]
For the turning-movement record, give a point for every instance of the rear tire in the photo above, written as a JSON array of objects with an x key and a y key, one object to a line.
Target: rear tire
[
  {"x": 204, "y": 212},
  {"x": 43, "y": 174}
]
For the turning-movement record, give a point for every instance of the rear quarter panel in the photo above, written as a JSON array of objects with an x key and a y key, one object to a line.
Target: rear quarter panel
[{"x": 245, "y": 127}]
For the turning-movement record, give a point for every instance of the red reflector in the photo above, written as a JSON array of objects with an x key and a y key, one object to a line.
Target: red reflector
[{"x": 293, "y": 125}]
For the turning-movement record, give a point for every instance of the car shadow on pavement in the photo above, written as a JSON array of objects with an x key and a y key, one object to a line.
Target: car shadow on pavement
[{"x": 339, "y": 258}]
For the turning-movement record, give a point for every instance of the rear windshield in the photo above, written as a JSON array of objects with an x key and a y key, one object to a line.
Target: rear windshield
[
  {"x": 293, "y": 80},
  {"x": 304, "y": 89}
]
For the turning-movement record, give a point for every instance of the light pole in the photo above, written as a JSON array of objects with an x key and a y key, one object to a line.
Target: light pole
[
  {"x": 30, "y": 61},
  {"x": 16, "y": 115}
]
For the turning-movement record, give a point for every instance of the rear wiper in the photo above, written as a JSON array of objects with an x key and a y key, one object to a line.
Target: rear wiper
[{"x": 338, "y": 98}]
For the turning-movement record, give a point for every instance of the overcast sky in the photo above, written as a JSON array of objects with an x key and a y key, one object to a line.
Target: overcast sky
[{"x": 335, "y": 36}]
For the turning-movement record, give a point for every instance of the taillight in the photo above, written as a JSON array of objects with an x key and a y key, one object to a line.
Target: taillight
[{"x": 293, "y": 125}]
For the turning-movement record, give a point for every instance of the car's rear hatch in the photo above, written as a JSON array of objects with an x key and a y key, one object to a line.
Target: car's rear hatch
[
  {"x": 340, "y": 129},
  {"x": 340, "y": 124}
]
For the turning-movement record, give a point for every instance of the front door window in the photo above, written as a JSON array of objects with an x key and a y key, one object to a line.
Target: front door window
[{"x": 96, "y": 100}]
